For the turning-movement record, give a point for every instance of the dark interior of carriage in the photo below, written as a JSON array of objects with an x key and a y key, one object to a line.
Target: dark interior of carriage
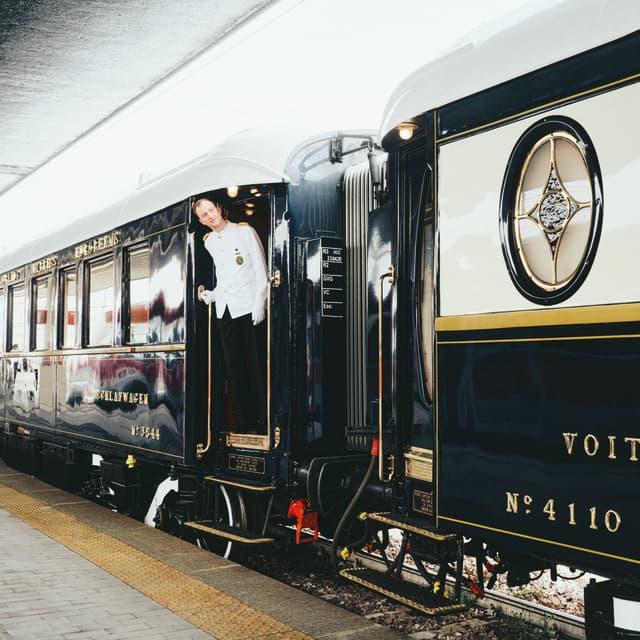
[{"x": 250, "y": 205}]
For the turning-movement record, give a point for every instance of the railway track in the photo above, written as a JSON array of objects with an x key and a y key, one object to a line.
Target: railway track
[{"x": 566, "y": 625}]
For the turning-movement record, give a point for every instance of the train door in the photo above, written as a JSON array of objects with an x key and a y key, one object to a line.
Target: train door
[
  {"x": 236, "y": 349},
  {"x": 415, "y": 380},
  {"x": 381, "y": 343},
  {"x": 400, "y": 316}
]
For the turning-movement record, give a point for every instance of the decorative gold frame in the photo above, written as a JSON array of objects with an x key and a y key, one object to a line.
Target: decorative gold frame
[{"x": 554, "y": 188}]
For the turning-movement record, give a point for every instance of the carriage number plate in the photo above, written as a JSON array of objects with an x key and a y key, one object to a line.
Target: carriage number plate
[
  {"x": 423, "y": 502},
  {"x": 246, "y": 463}
]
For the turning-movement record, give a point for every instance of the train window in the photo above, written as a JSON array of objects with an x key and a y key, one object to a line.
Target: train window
[
  {"x": 138, "y": 261},
  {"x": 40, "y": 316},
  {"x": 16, "y": 335},
  {"x": 426, "y": 305},
  {"x": 68, "y": 284},
  {"x": 99, "y": 306}
]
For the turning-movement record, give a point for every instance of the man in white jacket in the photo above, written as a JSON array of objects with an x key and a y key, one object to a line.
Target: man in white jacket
[{"x": 240, "y": 296}]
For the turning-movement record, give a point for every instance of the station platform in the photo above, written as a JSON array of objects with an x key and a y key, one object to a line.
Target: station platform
[{"x": 74, "y": 570}]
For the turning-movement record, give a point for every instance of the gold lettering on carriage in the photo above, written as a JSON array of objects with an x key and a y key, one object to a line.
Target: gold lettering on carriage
[
  {"x": 12, "y": 276},
  {"x": 122, "y": 396},
  {"x": 611, "y": 446},
  {"x": 143, "y": 431},
  {"x": 44, "y": 265},
  {"x": 107, "y": 241}
]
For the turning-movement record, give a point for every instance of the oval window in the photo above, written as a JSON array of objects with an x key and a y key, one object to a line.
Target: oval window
[{"x": 551, "y": 210}]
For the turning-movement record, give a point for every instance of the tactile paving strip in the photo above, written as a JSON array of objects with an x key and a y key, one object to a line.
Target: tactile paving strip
[{"x": 211, "y": 610}]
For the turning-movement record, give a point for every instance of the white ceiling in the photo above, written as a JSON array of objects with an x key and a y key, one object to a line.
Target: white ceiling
[
  {"x": 307, "y": 66},
  {"x": 66, "y": 65}
]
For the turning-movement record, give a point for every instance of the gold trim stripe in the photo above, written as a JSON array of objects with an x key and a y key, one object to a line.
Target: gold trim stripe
[
  {"x": 156, "y": 233},
  {"x": 536, "y": 539},
  {"x": 542, "y": 107},
  {"x": 192, "y": 600},
  {"x": 91, "y": 351},
  {"x": 615, "y": 336},
  {"x": 600, "y": 314}
]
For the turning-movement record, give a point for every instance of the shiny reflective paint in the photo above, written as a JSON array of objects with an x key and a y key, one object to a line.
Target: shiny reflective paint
[
  {"x": 107, "y": 398},
  {"x": 535, "y": 434},
  {"x": 546, "y": 425},
  {"x": 134, "y": 400}
]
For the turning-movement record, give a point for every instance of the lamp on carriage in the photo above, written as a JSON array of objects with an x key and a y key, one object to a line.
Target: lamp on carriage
[
  {"x": 232, "y": 191},
  {"x": 406, "y": 129}
]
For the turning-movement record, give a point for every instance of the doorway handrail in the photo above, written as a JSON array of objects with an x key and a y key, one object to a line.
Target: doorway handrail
[
  {"x": 391, "y": 275},
  {"x": 201, "y": 448}
]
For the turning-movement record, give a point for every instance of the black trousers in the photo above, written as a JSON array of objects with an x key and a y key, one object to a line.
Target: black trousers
[{"x": 243, "y": 348}]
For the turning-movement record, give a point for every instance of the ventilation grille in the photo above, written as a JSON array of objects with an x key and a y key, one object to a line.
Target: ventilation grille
[{"x": 359, "y": 201}]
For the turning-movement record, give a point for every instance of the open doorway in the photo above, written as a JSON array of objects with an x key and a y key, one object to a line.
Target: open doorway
[{"x": 235, "y": 252}]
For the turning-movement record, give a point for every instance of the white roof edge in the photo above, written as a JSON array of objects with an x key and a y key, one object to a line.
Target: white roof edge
[
  {"x": 251, "y": 156},
  {"x": 519, "y": 43},
  {"x": 248, "y": 157}
]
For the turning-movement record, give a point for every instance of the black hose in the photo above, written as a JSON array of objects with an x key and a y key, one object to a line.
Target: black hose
[{"x": 348, "y": 510}]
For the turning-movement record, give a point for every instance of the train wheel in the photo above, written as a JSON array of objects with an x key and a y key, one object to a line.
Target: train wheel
[{"x": 230, "y": 512}]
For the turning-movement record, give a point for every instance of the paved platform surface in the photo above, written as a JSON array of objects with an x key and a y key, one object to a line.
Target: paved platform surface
[{"x": 73, "y": 570}]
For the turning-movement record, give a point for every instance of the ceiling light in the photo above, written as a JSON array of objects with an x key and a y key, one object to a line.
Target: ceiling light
[
  {"x": 232, "y": 192},
  {"x": 406, "y": 129}
]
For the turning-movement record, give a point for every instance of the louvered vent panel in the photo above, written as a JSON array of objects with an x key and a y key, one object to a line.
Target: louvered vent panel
[{"x": 359, "y": 201}]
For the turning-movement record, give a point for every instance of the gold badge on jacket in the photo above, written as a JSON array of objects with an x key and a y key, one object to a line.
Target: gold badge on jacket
[{"x": 239, "y": 258}]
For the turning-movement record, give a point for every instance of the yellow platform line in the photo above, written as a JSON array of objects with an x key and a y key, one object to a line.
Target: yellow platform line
[{"x": 211, "y": 610}]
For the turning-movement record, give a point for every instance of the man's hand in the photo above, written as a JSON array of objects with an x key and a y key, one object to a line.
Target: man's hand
[
  {"x": 208, "y": 296},
  {"x": 257, "y": 315}
]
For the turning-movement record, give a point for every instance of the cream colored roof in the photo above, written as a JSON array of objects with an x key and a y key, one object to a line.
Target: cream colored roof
[{"x": 511, "y": 47}]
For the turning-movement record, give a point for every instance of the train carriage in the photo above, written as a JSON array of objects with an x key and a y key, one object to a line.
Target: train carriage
[
  {"x": 507, "y": 293},
  {"x": 108, "y": 349}
]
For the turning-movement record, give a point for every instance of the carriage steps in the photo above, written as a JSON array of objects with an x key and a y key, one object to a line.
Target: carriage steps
[
  {"x": 407, "y": 593},
  {"x": 228, "y": 533}
]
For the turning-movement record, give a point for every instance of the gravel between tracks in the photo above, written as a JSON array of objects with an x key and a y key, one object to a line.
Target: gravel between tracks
[{"x": 310, "y": 571}]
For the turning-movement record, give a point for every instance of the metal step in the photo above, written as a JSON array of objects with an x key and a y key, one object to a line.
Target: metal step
[
  {"x": 228, "y": 533},
  {"x": 239, "y": 485},
  {"x": 407, "y": 593},
  {"x": 414, "y": 525}
]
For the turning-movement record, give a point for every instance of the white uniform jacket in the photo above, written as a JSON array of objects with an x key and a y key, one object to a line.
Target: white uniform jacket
[{"x": 241, "y": 269}]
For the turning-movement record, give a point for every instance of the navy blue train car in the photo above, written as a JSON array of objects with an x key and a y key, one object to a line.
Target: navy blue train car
[
  {"x": 112, "y": 374},
  {"x": 502, "y": 271}
]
